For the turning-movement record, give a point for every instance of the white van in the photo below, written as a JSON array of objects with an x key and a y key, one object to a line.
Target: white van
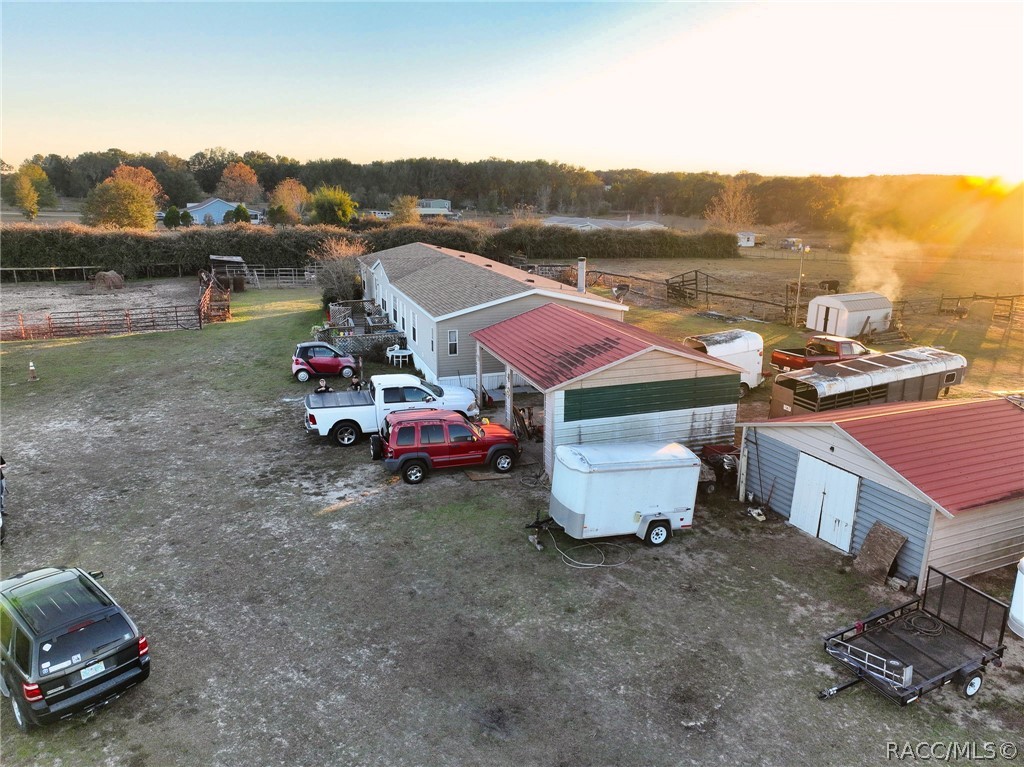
[{"x": 743, "y": 348}]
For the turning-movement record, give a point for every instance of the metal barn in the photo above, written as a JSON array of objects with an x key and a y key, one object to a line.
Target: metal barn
[
  {"x": 608, "y": 381},
  {"x": 949, "y": 476}
]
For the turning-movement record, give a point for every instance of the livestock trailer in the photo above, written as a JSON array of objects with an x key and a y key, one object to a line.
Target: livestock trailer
[
  {"x": 647, "y": 489},
  {"x": 743, "y": 348},
  {"x": 850, "y": 314},
  {"x": 911, "y": 375}
]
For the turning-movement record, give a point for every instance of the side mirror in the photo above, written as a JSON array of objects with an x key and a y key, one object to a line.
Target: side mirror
[{"x": 429, "y": 399}]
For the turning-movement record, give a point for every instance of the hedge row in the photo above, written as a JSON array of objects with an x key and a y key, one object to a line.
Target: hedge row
[{"x": 136, "y": 253}]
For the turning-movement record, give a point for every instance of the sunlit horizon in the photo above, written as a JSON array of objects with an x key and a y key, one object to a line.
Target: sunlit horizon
[{"x": 776, "y": 89}]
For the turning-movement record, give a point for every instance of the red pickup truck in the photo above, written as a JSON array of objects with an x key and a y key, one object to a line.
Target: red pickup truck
[{"x": 819, "y": 349}]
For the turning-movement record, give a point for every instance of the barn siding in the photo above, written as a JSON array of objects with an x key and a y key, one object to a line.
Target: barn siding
[
  {"x": 911, "y": 517},
  {"x": 646, "y": 397},
  {"x": 771, "y": 470},
  {"x": 832, "y": 445},
  {"x": 979, "y": 540},
  {"x": 692, "y": 427},
  {"x": 656, "y": 365}
]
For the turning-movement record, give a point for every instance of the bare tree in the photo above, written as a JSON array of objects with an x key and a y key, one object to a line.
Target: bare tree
[
  {"x": 338, "y": 275},
  {"x": 732, "y": 209}
]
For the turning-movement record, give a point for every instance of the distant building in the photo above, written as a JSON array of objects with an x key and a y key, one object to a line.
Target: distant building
[
  {"x": 428, "y": 208},
  {"x": 215, "y": 207},
  {"x": 751, "y": 240},
  {"x": 591, "y": 224}
]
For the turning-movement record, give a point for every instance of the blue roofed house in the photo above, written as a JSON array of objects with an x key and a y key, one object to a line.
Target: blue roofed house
[{"x": 215, "y": 207}]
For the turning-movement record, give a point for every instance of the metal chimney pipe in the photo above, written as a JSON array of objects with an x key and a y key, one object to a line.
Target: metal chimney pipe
[{"x": 581, "y": 275}]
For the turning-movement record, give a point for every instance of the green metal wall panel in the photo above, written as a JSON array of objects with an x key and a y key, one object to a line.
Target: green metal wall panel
[{"x": 651, "y": 397}]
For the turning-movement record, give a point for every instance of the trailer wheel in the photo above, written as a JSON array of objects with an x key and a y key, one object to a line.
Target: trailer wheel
[
  {"x": 708, "y": 488},
  {"x": 744, "y": 390},
  {"x": 972, "y": 684},
  {"x": 657, "y": 534}
]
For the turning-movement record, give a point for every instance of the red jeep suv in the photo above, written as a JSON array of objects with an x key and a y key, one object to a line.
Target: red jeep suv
[{"x": 412, "y": 442}]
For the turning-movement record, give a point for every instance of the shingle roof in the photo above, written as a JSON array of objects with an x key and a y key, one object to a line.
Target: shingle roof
[
  {"x": 443, "y": 281},
  {"x": 960, "y": 453},
  {"x": 553, "y": 344}
]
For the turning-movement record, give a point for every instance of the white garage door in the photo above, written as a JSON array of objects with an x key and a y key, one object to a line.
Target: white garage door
[{"x": 824, "y": 501}]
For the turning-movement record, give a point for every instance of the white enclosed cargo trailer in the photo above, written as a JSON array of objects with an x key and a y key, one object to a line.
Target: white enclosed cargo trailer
[
  {"x": 647, "y": 489},
  {"x": 743, "y": 348}
]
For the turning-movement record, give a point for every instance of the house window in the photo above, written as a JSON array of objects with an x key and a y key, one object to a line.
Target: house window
[
  {"x": 384, "y": 304},
  {"x": 432, "y": 339},
  {"x": 414, "y": 327},
  {"x": 394, "y": 312},
  {"x": 453, "y": 342}
]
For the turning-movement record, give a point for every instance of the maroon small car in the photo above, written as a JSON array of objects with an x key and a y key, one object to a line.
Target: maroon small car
[
  {"x": 413, "y": 442},
  {"x": 314, "y": 359}
]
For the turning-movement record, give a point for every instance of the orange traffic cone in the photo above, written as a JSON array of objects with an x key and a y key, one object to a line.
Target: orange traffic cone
[{"x": 32, "y": 372}]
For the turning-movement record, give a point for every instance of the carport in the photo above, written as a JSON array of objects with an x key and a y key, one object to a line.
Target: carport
[{"x": 608, "y": 381}]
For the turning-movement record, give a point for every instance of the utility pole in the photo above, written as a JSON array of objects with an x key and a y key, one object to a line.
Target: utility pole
[{"x": 799, "y": 285}]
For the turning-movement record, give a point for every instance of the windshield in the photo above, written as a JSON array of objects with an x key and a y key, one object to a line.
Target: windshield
[{"x": 434, "y": 389}]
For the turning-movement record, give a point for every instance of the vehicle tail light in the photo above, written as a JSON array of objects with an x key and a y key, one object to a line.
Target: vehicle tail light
[
  {"x": 32, "y": 692},
  {"x": 312, "y": 420},
  {"x": 143, "y": 646}
]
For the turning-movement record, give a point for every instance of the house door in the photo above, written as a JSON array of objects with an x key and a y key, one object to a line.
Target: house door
[{"x": 824, "y": 501}]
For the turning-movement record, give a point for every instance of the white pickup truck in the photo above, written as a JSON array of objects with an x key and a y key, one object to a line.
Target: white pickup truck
[{"x": 347, "y": 415}]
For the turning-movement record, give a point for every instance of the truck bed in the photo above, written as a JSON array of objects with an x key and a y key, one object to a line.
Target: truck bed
[{"x": 339, "y": 399}]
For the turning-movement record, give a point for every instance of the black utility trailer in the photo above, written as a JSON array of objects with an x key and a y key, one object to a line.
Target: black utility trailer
[{"x": 948, "y": 634}]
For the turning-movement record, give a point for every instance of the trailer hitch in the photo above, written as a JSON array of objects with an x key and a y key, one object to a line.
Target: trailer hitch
[{"x": 825, "y": 694}]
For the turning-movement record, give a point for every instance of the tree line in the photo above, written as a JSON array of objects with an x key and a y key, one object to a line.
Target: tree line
[{"x": 909, "y": 205}]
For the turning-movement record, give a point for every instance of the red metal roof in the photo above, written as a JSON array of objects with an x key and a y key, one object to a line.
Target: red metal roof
[
  {"x": 960, "y": 453},
  {"x": 552, "y": 344}
]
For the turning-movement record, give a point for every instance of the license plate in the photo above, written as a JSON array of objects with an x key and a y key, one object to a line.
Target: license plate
[{"x": 90, "y": 671}]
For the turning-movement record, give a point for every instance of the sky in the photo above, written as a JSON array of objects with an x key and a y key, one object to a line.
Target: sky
[{"x": 773, "y": 88}]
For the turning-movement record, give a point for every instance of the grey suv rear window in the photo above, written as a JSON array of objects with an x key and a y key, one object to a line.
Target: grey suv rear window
[{"x": 92, "y": 641}]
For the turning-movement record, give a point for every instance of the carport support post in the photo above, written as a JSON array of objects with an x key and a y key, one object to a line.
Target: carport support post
[
  {"x": 508, "y": 397},
  {"x": 480, "y": 393}
]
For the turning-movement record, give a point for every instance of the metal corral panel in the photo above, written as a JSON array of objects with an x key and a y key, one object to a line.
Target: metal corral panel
[
  {"x": 979, "y": 540},
  {"x": 911, "y": 517}
]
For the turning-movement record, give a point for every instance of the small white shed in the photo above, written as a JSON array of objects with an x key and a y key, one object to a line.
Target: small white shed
[
  {"x": 750, "y": 239},
  {"x": 850, "y": 314}
]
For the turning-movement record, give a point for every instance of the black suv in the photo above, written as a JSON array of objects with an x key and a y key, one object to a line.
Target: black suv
[{"x": 65, "y": 645}]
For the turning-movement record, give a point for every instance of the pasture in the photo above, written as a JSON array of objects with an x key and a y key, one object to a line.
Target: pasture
[{"x": 303, "y": 607}]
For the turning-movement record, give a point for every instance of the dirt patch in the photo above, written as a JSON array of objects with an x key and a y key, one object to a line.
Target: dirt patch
[{"x": 79, "y": 296}]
